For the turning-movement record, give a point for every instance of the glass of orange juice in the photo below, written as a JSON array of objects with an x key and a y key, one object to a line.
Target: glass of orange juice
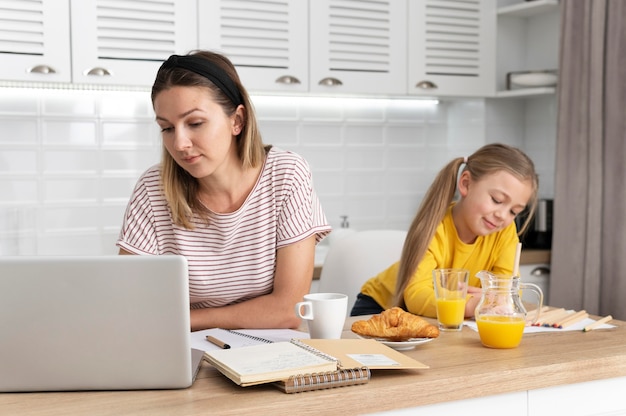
[{"x": 450, "y": 293}]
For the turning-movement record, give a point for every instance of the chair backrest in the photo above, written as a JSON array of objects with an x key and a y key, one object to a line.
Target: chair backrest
[{"x": 353, "y": 259}]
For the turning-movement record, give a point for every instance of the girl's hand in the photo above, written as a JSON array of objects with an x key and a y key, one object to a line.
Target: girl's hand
[{"x": 473, "y": 297}]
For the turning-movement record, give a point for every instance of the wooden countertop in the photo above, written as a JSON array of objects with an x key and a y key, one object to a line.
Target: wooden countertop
[{"x": 460, "y": 367}]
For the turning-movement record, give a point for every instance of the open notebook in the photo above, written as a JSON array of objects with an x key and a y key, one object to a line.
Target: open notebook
[
  {"x": 95, "y": 323},
  {"x": 265, "y": 356}
]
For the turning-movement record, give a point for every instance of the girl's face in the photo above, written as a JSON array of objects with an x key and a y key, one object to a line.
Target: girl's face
[
  {"x": 195, "y": 130},
  {"x": 490, "y": 204}
]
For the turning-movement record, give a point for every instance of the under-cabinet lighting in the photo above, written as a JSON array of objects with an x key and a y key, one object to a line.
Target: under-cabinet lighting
[
  {"x": 33, "y": 85},
  {"x": 280, "y": 100}
]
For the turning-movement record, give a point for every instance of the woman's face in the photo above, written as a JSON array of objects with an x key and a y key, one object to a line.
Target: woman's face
[
  {"x": 195, "y": 130},
  {"x": 490, "y": 204}
]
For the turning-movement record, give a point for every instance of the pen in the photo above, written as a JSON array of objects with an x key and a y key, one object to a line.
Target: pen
[{"x": 217, "y": 342}]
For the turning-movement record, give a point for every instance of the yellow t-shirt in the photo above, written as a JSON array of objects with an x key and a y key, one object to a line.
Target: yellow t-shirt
[{"x": 494, "y": 252}]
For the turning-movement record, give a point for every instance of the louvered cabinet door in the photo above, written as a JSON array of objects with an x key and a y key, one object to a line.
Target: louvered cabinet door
[
  {"x": 267, "y": 41},
  {"x": 123, "y": 42},
  {"x": 358, "y": 46},
  {"x": 452, "y": 48},
  {"x": 35, "y": 41}
]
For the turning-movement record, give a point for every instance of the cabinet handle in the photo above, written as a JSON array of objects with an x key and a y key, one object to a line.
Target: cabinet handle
[
  {"x": 330, "y": 82},
  {"x": 99, "y": 72},
  {"x": 540, "y": 271},
  {"x": 426, "y": 85},
  {"x": 287, "y": 79},
  {"x": 41, "y": 69}
]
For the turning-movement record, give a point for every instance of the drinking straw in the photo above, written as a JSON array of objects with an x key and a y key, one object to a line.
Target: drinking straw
[{"x": 518, "y": 253}]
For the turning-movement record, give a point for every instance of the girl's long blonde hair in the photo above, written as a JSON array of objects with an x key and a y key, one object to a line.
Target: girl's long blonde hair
[
  {"x": 486, "y": 160},
  {"x": 179, "y": 187}
]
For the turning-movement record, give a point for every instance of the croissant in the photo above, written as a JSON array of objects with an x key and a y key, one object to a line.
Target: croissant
[{"x": 395, "y": 324}]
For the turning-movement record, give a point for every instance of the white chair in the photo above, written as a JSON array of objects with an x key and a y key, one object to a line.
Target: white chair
[{"x": 354, "y": 258}]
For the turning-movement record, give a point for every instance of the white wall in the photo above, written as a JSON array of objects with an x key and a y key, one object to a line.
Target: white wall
[{"x": 69, "y": 159}]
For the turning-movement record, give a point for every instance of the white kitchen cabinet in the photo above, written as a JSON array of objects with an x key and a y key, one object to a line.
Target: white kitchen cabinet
[
  {"x": 267, "y": 41},
  {"x": 451, "y": 48},
  {"x": 320, "y": 46},
  {"x": 123, "y": 42},
  {"x": 358, "y": 46},
  {"x": 34, "y": 41},
  {"x": 528, "y": 40}
]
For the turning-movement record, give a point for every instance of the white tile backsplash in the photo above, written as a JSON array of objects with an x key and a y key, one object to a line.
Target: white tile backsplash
[{"x": 69, "y": 159}]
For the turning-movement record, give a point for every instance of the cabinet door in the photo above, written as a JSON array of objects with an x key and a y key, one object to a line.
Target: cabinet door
[
  {"x": 358, "y": 46},
  {"x": 266, "y": 41},
  {"x": 452, "y": 48},
  {"x": 35, "y": 41},
  {"x": 123, "y": 42}
]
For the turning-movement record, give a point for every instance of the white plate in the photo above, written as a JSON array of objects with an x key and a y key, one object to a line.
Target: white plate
[{"x": 401, "y": 345}]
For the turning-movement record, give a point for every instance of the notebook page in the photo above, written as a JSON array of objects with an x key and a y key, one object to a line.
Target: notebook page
[{"x": 235, "y": 340}]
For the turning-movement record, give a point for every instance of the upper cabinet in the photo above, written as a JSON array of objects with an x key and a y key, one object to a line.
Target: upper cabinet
[
  {"x": 123, "y": 42},
  {"x": 528, "y": 40},
  {"x": 358, "y": 46},
  {"x": 35, "y": 41},
  {"x": 451, "y": 47},
  {"x": 441, "y": 48},
  {"x": 267, "y": 41},
  {"x": 321, "y": 46}
]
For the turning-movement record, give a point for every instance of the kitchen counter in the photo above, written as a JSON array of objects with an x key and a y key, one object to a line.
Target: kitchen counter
[
  {"x": 527, "y": 257},
  {"x": 559, "y": 367}
]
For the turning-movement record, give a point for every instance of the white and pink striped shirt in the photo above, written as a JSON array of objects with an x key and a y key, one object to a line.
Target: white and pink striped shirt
[{"x": 233, "y": 258}]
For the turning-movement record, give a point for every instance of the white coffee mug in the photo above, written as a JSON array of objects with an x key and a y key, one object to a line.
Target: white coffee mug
[{"x": 325, "y": 314}]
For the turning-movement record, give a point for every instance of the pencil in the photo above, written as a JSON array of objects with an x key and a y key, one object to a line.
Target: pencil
[
  {"x": 597, "y": 323},
  {"x": 549, "y": 317},
  {"x": 574, "y": 318},
  {"x": 217, "y": 342}
]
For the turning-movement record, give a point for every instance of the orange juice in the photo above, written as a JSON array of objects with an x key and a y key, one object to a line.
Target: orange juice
[
  {"x": 498, "y": 331},
  {"x": 450, "y": 312}
]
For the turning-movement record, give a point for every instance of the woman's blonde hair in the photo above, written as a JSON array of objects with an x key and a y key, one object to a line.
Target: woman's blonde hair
[
  {"x": 488, "y": 159},
  {"x": 218, "y": 75}
]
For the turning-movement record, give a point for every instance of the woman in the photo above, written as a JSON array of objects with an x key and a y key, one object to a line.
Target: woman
[
  {"x": 477, "y": 232},
  {"x": 245, "y": 215}
]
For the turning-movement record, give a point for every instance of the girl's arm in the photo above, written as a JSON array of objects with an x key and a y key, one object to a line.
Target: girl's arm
[
  {"x": 419, "y": 295},
  {"x": 292, "y": 280}
]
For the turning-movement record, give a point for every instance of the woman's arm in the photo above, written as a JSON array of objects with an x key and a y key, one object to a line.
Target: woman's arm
[{"x": 292, "y": 280}]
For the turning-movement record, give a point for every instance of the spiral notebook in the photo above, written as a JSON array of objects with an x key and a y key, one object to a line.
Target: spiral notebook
[
  {"x": 328, "y": 380},
  {"x": 269, "y": 362}
]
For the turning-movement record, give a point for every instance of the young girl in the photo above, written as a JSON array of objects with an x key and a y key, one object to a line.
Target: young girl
[
  {"x": 245, "y": 215},
  {"x": 477, "y": 232}
]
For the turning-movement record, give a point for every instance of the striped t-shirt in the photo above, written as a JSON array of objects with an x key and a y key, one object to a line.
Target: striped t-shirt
[{"x": 233, "y": 257}]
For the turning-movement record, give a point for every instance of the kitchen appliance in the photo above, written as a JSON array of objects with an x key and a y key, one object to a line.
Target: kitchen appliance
[{"x": 539, "y": 233}]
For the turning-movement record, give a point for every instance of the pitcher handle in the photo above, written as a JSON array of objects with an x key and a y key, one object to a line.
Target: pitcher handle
[{"x": 534, "y": 288}]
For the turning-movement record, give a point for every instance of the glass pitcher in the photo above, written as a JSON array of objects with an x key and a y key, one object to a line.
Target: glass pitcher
[{"x": 500, "y": 315}]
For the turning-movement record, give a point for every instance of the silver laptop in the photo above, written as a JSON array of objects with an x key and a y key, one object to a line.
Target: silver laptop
[{"x": 95, "y": 323}]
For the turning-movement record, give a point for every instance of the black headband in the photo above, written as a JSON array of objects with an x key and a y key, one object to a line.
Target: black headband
[{"x": 209, "y": 70}]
